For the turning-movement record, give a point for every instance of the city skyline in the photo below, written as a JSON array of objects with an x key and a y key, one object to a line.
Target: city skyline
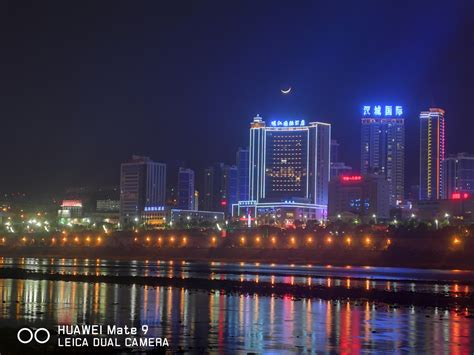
[
  {"x": 201, "y": 185},
  {"x": 237, "y": 177}
]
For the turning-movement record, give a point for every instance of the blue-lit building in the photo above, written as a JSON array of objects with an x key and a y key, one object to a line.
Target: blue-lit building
[
  {"x": 186, "y": 190},
  {"x": 383, "y": 147},
  {"x": 242, "y": 161},
  {"x": 142, "y": 184},
  {"x": 289, "y": 167}
]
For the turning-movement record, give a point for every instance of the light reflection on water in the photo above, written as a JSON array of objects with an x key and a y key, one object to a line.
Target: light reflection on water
[
  {"x": 383, "y": 278},
  {"x": 202, "y": 320}
]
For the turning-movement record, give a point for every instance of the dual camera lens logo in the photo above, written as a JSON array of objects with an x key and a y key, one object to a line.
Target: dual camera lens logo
[{"x": 40, "y": 335}]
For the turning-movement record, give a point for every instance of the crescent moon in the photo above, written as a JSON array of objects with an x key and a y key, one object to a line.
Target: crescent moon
[{"x": 287, "y": 91}]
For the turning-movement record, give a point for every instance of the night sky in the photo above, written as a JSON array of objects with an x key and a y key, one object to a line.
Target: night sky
[{"x": 84, "y": 85}]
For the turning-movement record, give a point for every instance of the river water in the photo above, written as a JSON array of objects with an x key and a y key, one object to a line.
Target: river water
[{"x": 210, "y": 321}]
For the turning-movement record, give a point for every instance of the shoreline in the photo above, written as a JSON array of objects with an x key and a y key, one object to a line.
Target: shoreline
[
  {"x": 270, "y": 272},
  {"x": 408, "y": 298},
  {"x": 342, "y": 258}
]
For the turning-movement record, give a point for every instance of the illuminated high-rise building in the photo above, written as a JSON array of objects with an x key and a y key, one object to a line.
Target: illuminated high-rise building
[
  {"x": 432, "y": 154},
  {"x": 289, "y": 166},
  {"x": 383, "y": 147},
  {"x": 142, "y": 185}
]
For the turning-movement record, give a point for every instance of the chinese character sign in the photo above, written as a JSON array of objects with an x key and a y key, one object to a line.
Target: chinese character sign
[
  {"x": 292, "y": 123},
  {"x": 382, "y": 111},
  {"x": 398, "y": 111}
]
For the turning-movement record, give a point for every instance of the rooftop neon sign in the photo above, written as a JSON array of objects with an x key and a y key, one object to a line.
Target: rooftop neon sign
[
  {"x": 291, "y": 123},
  {"x": 460, "y": 196},
  {"x": 347, "y": 178},
  {"x": 154, "y": 208},
  {"x": 385, "y": 111},
  {"x": 71, "y": 203}
]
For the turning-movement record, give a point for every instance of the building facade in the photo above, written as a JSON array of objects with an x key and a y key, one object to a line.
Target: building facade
[
  {"x": 242, "y": 162},
  {"x": 229, "y": 188},
  {"x": 142, "y": 184},
  {"x": 383, "y": 147},
  {"x": 208, "y": 189},
  {"x": 159, "y": 217},
  {"x": 289, "y": 164},
  {"x": 334, "y": 151},
  {"x": 338, "y": 169},
  {"x": 362, "y": 196},
  {"x": 432, "y": 154},
  {"x": 459, "y": 208},
  {"x": 186, "y": 189},
  {"x": 459, "y": 174},
  {"x": 70, "y": 209},
  {"x": 213, "y": 188},
  {"x": 108, "y": 205},
  {"x": 220, "y": 187}
]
